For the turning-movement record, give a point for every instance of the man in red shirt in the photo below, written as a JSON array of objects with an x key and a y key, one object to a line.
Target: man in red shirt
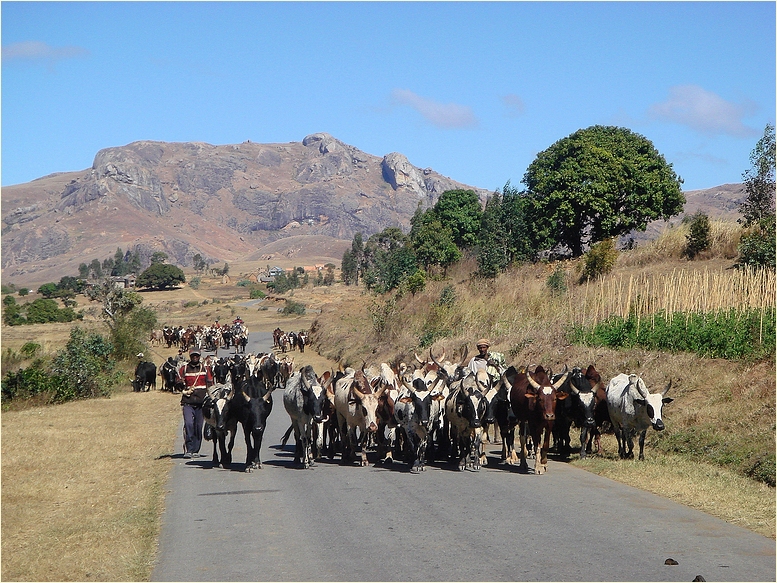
[{"x": 196, "y": 378}]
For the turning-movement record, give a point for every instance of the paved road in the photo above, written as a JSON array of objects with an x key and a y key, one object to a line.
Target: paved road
[{"x": 336, "y": 523}]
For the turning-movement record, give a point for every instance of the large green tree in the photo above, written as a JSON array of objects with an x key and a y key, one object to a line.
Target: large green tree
[
  {"x": 460, "y": 211},
  {"x": 160, "y": 276},
  {"x": 597, "y": 183}
]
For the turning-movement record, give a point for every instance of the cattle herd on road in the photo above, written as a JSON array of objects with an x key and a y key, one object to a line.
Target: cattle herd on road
[{"x": 431, "y": 410}]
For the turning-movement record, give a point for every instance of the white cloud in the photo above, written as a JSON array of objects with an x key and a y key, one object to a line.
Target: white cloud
[
  {"x": 514, "y": 105},
  {"x": 443, "y": 115},
  {"x": 703, "y": 111},
  {"x": 36, "y": 51}
]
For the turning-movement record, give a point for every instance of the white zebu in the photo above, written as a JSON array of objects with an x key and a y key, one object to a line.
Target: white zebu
[{"x": 633, "y": 409}]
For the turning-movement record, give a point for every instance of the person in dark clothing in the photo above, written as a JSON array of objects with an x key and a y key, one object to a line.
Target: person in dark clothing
[{"x": 196, "y": 378}]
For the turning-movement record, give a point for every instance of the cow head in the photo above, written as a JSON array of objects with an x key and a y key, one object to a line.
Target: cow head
[
  {"x": 545, "y": 394},
  {"x": 653, "y": 403},
  {"x": 425, "y": 399},
  {"x": 365, "y": 401},
  {"x": 314, "y": 395}
]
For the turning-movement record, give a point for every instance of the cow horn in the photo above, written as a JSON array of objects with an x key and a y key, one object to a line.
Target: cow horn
[
  {"x": 639, "y": 388},
  {"x": 506, "y": 383},
  {"x": 440, "y": 368},
  {"x": 247, "y": 398},
  {"x": 418, "y": 359},
  {"x": 573, "y": 388},
  {"x": 666, "y": 389},
  {"x": 465, "y": 353},
  {"x": 532, "y": 382},
  {"x": 562, "y": 379}
]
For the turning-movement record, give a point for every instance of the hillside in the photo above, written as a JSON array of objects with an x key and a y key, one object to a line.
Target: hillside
[{"x": 227, "y": 203}]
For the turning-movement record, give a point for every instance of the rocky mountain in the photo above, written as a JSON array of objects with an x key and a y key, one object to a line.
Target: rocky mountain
[{"x": 227, "y": 203}]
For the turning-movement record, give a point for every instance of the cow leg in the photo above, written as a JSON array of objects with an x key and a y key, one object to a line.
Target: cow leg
[
  {"x": 541, "y": 450},
  {"x": 523, "y": 433},
  {"x": 420, "y": 461},
  {"x": 583, "y": 440},
  {"x": 480, "y": 454},
  {"x": 642, "y": 445},
  {"x": 363, "y": 448},
  {"x": 249, "y": 447},
  {"x": 475, "y": 439}
]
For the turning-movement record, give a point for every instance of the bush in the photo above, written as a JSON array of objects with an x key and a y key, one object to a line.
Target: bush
[
  {"x": 83, "y": 369},
  {"x": 447, "y": 297},
  {"x": 757, "y": 247},
  {"x": 191, "y": 304},
  {"x": 599, "y": 260},
  {"x": 195, "y": 282},
  {"x": 293, "y": 308},
  {"x": 556, "y": 281},
  {"x": 698, "y": 237},
  {"x": 257, "y": 294},
  {"x": 86, "y": 365}
]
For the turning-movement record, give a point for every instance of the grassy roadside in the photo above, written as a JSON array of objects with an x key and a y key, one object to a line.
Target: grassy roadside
[{"x": 83, "y": 487}]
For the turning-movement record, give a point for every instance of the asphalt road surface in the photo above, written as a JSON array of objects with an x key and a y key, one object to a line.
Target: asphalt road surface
[{"x": 348, "y": 523}]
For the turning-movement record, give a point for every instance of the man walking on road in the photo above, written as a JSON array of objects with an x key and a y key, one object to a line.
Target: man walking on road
[{"x": 196, "y": 378}]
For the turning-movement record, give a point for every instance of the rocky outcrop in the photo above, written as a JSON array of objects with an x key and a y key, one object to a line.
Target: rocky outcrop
[{"x": 219, "y": 201}]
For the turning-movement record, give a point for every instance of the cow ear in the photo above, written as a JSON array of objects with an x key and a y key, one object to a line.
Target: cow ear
[
  {"x": 561, "y": 395},
  {"x": 405, "y": 400},
  {"x": 642, "y": 402},
  {"x": 667, "y": 400},
  {"x": 438, "y": 397}
]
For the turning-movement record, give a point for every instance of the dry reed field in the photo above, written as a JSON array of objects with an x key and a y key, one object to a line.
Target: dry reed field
[{"x": 643, "y": 295}]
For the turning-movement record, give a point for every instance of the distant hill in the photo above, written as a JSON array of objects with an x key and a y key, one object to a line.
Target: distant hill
[
  {"x": 223, "y": 202},
  {"x": 303, "y": 201}
]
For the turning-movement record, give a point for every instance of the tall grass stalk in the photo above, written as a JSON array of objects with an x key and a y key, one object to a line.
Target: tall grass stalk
[{"x": 686, "y": 292}]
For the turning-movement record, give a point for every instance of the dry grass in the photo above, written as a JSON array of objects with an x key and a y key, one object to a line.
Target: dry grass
[
  {"x": 702, "y": 486},
  {"x": 83, "y": 487}
]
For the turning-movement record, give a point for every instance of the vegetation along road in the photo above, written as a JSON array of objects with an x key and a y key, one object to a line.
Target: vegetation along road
[{"x": 382, "y": 523}]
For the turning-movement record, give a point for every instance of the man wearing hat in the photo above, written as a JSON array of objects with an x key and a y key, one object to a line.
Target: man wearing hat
[
  {"x": 196, "y": 378},
  {"x": 492, "y": 362}
]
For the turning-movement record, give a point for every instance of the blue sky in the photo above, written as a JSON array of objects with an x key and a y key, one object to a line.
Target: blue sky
[{"x": 473, "y": 90}]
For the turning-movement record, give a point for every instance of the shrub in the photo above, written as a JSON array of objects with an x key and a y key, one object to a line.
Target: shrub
[
  {"x": 599, "y": 260},
  {"x": 294, "y": 308},
  {"x": 195, "y": 282},
  {"x": 698, "y": 237},
  {"x": 30, "y": 349},
  {"x": 556, "y": 282},
  {"x": 243, "y": 283},
  {"x": 191, "y": 304},
  {"x": 757, "y": 247},
  {"x": 256, "y": 293},
  {"x": 447, "y": 297},
  {"x": 86, "y": 365}
]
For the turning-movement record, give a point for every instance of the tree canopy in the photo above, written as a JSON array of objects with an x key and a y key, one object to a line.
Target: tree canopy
[
  {"x": 160, "y": 276},
  {"x": 760, "y": 180},
  {"x": 597, "y": 183}
]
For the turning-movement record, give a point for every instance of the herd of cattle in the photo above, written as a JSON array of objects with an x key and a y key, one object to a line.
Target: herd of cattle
[
  {"x": 432, "y": 410},
  {"x": 233, "y": 335}
]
